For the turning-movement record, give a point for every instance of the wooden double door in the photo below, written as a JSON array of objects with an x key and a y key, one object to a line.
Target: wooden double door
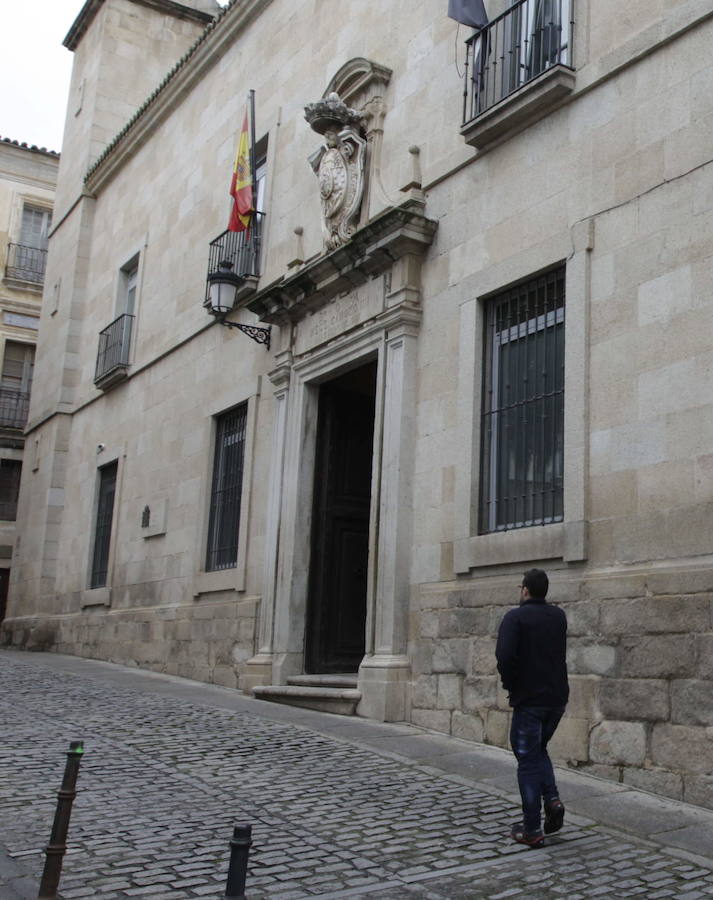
[{"x": 339, "y": 561}]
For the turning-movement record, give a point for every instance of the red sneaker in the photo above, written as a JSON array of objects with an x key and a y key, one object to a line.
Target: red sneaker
[{"x": 531, "y": 839}]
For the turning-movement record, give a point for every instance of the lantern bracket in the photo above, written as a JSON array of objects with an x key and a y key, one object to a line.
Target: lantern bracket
[{"x": 261, "y": 335}]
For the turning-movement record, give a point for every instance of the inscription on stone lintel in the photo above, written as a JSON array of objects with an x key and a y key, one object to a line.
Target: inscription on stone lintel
[{"x": 340, "y": 315}]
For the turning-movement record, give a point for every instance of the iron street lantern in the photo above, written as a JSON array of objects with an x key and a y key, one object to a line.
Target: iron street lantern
[{"x": 222, "y": 287}]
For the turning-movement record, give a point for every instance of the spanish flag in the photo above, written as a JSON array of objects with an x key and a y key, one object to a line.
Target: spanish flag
[{"x": 241, "y": 184}]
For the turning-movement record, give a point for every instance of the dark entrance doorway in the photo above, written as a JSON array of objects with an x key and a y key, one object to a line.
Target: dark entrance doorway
[{"x": 340, "y": 523}]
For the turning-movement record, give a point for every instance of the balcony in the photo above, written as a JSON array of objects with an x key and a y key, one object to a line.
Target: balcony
[
  {"x": 26, "y": 264},
  {"x": 242, "y": 250},
  {"x": 113, "y": 354},
  {"x": 14, "y": 408},
  {"x": 517, "y": 68}
]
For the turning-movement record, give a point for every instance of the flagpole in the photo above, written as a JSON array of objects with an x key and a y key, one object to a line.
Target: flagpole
[
  {"x": 251, "y": 100},
  {"x": 253, "y": 218}
]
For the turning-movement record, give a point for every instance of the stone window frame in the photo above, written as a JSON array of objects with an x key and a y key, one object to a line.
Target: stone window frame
[
  {"x": 102, "y": 596},
  {"x": 230, "y": 429},
  {"x": 20, "y": 200},
  {"x": 233, "y": 579},
  {"x": 104, "y": 509},
  {"x": 128, "y": 286},
  {"x": 30, "y": 359},
  {"x": 523, "y": 333},
  {"x": 566, "y": 540},
  {"x": 262, "y": 150},
  {"x": 134, "y": 260},
  {"x": 264, "y": 163},
  {"x": 45, "y": 211}
]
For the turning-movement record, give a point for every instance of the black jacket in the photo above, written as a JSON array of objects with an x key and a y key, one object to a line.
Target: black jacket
[{"x": 531, "y": 653}]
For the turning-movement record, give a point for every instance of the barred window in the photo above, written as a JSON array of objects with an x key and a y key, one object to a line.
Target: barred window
[
  {"x": 224, "y": 517},
  {"x": 523, "y": 406},
  {"x": 102, "y": 532}
]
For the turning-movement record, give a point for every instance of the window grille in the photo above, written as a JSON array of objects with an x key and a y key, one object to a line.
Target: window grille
[
  {"x": 523, "y": 406},
  {"x": 102, "y": 533},
  {"x": 224, "y": 517}
]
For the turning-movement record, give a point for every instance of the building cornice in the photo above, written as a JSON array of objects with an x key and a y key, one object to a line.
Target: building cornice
[
  {"x": 399, "y": 231},
  {"x": 188, "y": 71},
  {"x": 92, "y": 7}
]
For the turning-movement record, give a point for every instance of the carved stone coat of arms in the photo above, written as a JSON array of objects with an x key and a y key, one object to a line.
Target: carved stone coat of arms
[{"x": 339, "y": 165}]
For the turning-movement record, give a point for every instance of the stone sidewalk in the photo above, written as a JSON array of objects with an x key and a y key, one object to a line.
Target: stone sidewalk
[{"x": 340, "y": 807}]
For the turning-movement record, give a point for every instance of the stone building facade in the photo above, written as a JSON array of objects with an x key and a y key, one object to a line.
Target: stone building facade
[
  {"x": 500, "y": 360},
  {"x": 28, "y": 176}
]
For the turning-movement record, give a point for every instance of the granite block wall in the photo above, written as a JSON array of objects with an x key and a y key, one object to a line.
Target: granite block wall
[{"x": 639, "y": 659}]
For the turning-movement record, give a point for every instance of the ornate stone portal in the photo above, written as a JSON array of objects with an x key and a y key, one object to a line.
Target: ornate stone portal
[
  {"x": 357, "y": 303},
  {"x": 339, "y": 164}
]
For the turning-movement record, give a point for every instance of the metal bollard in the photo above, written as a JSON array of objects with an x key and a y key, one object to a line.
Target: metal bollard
[
  {"x": 240, "y": 845},
  {"x": 58, "y": 839}
]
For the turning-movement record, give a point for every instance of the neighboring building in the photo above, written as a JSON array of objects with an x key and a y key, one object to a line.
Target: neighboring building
[
  {"x": 28, "y": 175},
  {"x": 490, "y": 349}
]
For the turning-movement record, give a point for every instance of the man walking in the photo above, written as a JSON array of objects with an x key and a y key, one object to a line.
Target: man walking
[{"x": 531, "y": 655}]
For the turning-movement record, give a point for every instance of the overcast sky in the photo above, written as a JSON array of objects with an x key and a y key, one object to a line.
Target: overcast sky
[{"x": 35, "y": 69}]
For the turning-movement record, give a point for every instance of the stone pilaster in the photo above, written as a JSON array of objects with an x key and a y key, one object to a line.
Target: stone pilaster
[
  {"x": 385, "y": 672},
  {"x": 258, "y": 670}
]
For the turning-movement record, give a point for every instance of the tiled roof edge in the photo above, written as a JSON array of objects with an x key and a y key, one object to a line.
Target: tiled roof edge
[{"x": 32, "y": 148}]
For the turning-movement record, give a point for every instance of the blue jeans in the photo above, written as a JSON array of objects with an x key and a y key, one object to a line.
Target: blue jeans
[{"x": 530, "y": 732}]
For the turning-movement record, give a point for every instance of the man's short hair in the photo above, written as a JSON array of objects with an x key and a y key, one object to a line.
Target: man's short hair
[{"x": 537, "y": 583}]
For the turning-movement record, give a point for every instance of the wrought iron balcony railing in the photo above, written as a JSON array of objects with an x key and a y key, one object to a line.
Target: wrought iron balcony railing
[
  {"x": 113, "y": 353},
  {"x": 240, "y": 248},
  {"x": 14, "y": 408},
  {"x": 522, "y": 43},
  {"x": 26, "y": 263}
]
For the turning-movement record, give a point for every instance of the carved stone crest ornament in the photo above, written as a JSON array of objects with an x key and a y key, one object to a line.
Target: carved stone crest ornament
[{"x": 339, "y": 165}]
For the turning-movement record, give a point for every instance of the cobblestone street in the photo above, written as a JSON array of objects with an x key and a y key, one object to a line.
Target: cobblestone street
[{"x": 339, "y": 807}]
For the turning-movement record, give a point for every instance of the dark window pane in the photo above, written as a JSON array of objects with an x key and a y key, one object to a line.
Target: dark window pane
[
  {"x": 523, "y": 406},
  {"x": 224, "y": 517},
  {"x": 102, "y": 534},
  {"x": 548, "y": 38},
  {"x": 10, "y": 471},
  {"x": 4, "y": 585}
]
